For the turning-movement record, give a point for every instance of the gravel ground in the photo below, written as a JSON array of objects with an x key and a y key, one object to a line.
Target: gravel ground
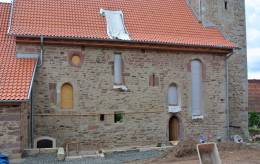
[{"x": 111, "y": 158}]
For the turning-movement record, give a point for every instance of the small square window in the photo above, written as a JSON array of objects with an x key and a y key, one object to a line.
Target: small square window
[
  {"x": 118, "y": 116},
  {"x": 102, "y": 117}
]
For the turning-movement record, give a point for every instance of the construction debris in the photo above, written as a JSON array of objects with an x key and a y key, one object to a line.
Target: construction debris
[
  {"x": 208, "y": 153},
  {"x": 185, "y": 148}
]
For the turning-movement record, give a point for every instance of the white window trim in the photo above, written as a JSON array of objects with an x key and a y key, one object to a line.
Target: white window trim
[
  {"x": 121, "y": 87},
  {"x": 197, "y": 117},
  {"x": 174, "y": 108}
]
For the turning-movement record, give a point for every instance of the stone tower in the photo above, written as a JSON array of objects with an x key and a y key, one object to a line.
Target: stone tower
[{"x": 229, "y": 17}]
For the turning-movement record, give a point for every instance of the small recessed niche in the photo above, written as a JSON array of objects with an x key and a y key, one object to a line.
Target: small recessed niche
[
  {"x": 143, "y": 50},
  {"x": 226, "y": 5},
  {"x": 102, "y": 117},
  {"x": 118, "y": 117}
]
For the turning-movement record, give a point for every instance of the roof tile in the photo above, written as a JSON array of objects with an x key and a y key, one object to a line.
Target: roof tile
[
  {"x": 16, "y": 74},
  {"x": 163, "y": 22}
]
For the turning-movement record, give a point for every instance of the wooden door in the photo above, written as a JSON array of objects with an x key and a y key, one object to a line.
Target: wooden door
[{"x": 174, "y": 129}]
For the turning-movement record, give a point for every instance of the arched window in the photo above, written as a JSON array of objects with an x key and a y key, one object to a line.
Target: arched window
[
  {"x": 66, "y": 96},
  {"x": 173, "y": 95},
  {"x": 196, "y": 78}
]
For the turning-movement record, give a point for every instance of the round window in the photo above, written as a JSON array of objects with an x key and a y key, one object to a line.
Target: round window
[{"x": 75, "y": 60}]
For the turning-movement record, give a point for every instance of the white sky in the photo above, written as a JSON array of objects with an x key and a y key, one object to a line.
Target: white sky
[
  {"x": 253, "y": 37},
  {"x": 5, "y": 0}
]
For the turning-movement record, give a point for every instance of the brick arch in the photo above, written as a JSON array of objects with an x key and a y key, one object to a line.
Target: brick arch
[
  {"x": 44, "y": 138},
  {"x": 202, "y": 64}
]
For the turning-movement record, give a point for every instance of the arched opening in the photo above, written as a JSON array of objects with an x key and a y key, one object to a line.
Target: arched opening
[
  {"x": 174, "y": 129},
  {"x": 44, "y": 142},
  {"x": 66, "y": 96}
]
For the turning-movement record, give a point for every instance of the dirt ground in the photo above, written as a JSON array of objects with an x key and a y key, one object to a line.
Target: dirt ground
[
  {"x": 229, "y": 154},
  {"x": 248, "y": 156}
]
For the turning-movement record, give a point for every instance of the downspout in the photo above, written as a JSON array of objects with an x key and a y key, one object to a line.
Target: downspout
[
  {"x": 31, "y": 121},
  {"x": 31, "y": 93},
  {"x": 41, "y": 54},
  {"x": 200, "y": 11},
  {"x": 227, "y": 92},
  {"x": 31, "y": 106}
]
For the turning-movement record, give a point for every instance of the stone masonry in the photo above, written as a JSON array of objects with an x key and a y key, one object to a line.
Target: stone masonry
[
  {"x": 230, "y": 19},
  {"x": 146, "y": 116},
  {"x": 13, "y": 130}
]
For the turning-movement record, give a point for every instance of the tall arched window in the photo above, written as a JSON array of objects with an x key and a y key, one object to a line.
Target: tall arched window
[
  {"x": 118, "y": 69},
  {"x": 66, "y": 96},
  {"x": 173, "y": 95},
  {"x": 196, "y": 78}
]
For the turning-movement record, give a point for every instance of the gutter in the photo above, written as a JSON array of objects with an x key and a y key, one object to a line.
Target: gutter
[
  {"x": 122, "y": 41},
  {"x": 227, "y": 93},
  {"x": 30, "y": 97},
  {"x": 13, "y": 101}
]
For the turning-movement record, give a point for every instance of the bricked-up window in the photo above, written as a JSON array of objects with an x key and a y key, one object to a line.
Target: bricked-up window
[
  {"x": 173, "y": 95},
  {"x": 153, "y": 80},
  {"x": 52, "y": 93},
  {"x": 118, "y": 117},
  {"x": 66, "y": 96},
  {"x": 118, "y": 69},
  {"x": 75, "y": 60},
  {"x": 196, "y": 78}
]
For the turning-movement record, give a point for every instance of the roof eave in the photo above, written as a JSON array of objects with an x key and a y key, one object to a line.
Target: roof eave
[
  {"x": 228, "y": 48},
  {"x": 14, "y": 101}
]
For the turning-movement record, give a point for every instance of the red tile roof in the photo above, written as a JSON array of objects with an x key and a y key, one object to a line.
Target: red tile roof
[
  {"x": 15, "y": 74},
  {"x": 159, "y": 21}
]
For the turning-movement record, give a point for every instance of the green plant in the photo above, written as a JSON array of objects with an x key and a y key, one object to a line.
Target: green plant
[{"x": 254, "y": 119}]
